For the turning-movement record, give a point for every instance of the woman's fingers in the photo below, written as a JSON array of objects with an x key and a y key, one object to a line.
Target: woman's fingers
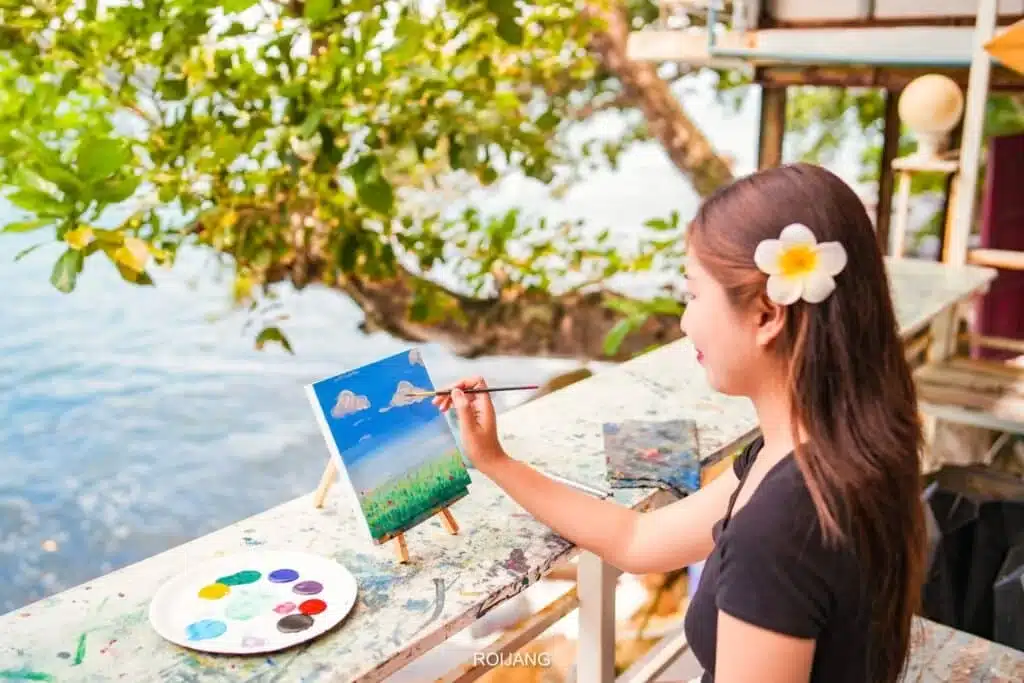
[{"x": 444, "y": 401}]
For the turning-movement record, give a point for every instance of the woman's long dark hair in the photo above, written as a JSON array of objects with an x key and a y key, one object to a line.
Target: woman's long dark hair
[{"x": 850, "y": 386}]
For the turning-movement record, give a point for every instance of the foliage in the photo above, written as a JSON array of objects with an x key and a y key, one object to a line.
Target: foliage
[
  {"x": 302, "y": 140},
  {"x": 403, "y": 502}
]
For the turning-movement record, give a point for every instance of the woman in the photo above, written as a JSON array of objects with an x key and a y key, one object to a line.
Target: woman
[{"x": 814, "y": 540}]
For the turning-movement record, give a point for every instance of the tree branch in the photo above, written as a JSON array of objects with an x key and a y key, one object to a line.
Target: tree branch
[
  {"x": 532, "y": 323},
  {"x": 684, "y": 142}
]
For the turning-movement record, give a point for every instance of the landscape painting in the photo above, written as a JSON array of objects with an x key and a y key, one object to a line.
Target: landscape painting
[{"x": 394, "y": 448}]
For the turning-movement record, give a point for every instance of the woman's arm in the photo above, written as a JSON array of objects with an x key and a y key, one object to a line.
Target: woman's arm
[
  {"x": 639, "y": 543},
  {"x": 671, "y": 537},
  {"x": 746, "y": 653}
]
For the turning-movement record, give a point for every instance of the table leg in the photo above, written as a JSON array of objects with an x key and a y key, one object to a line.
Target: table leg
[{"x": 595, "y": 657}]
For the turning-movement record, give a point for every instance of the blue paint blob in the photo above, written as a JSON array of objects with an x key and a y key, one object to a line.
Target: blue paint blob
[
  {"x": 283, "y": 575},
  {"x": 206, "y": 629}
]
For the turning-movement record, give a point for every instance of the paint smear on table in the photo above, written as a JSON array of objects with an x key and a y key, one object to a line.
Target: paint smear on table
[
  {"x": 80, "y": 651},
  {"x": 24, "y": 675}
]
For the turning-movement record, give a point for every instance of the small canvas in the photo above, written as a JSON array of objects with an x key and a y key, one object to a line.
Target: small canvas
[
  {"x": 664, "y": 454},
  {"x": 395, "y": 452}
]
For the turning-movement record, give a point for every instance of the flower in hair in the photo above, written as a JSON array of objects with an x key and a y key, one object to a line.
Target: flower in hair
[{"x": 798, "y": 267}]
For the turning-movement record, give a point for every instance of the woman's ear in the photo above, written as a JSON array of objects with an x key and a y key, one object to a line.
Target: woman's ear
[{"x": 771, "y": 319}]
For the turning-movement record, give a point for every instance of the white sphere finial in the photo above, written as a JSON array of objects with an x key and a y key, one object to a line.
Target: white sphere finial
[{"x": 931, "y": 106}]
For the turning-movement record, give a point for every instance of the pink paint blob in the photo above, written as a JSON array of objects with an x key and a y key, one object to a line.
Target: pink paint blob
[{"x": 285, "y": 607}]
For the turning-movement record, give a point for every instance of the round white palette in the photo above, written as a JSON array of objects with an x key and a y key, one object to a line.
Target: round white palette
[{"x": 253, "y": 602}]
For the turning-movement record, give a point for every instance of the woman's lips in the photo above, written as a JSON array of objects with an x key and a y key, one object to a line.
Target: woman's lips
[{"x": 700, "y": 356}]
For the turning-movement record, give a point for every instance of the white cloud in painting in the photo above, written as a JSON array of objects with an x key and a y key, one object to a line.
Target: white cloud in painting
[
  {"x": 415, "y": 358},
  {"x": 348, "y": 402},
  {"x": 402, "y": 397},
  {"x": 364, "y": 437}
]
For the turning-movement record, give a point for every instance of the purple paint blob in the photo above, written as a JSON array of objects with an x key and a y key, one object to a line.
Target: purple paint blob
[
  {"x": 308, "y": 588},
  {"x": 283, "y": 575},
  {"x": 285, "y": 607},
  {"x": 293, "y": 623}
]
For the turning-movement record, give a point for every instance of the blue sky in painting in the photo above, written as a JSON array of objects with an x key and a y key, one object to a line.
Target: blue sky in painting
[{"x": 361, "y": 411}]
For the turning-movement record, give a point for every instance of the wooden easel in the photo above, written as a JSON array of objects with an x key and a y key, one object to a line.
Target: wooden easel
[{"x": 401, "y": 549}]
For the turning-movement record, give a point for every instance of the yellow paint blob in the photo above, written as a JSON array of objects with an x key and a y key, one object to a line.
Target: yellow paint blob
[
  {"x": 797, "y": 260},
  {"x": 215, "y": 591}
]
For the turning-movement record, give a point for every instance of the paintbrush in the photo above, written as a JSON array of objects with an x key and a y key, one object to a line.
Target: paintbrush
[{"x": 486, "y": 390}]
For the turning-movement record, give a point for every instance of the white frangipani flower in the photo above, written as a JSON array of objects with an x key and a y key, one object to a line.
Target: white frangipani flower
[{"x": 797, "y": 266}]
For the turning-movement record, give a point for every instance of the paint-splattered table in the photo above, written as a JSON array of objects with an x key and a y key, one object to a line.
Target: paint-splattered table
[{"x": 99, "y": 631}]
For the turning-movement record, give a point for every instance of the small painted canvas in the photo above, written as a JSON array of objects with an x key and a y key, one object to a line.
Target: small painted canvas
[
  {"x": 395, "y": 450},
  {"x": 660, "y": 454}
]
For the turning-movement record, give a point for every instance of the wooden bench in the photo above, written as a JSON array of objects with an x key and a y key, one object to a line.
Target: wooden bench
[{"x": 978, "y": 392}]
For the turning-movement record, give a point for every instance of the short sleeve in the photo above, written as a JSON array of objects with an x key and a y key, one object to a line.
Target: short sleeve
[{"x": 776, "y": 572}]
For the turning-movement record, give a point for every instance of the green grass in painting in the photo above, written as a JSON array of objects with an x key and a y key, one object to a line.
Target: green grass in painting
[{"x": 400, "y": 503}]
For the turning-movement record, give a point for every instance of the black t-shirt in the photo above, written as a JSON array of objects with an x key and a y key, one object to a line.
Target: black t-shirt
[{"x": 771, "y": 567}]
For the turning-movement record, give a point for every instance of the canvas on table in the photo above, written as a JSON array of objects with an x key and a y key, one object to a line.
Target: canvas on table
[
  {"x": 641, "y": 453},
  {"x": 396, "y": 453}
]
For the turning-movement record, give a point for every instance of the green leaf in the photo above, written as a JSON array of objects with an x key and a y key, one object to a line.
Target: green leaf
[
  {"x": 547, "y": 121},
  {"x": 136, "y": 278},
  {"x": 372, "y": 188},
  {"x": 63, "y": 178},
  {"x": 26, "y": 251},
  {"x": 312, "y": 122},
  {"x": 348, "y": 250},
  {"x": 116, "y": 191},
  {"x": 98, "y": 160},
  {"x": 37, "y": 202},
  {"x": 616, "y": 336},
  {"x": 658, "y": 224},
  {"x": 25, "y": 226},
  {"x": 419, "y": 311},
  {"x": 273, "y": 334},
  {"x": 318, "y": 10},
  {"x": 66, "y": 270},
  {"x": 377, "y": 195},
  {"x": 173, "y": 89},
  {"x": 665, "y": 306},
  {"x": 237, "y": 5},
  {"x": 509, "y": 30}
]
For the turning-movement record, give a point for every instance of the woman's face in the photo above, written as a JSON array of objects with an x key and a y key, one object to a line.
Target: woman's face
[{"x": 725, "y": 339}]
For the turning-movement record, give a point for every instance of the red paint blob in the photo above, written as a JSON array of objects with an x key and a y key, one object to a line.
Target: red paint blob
[{"x": 313, "y": 606}]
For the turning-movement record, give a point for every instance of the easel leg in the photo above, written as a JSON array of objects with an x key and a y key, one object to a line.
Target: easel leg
[
  {"x": 401, "y": 549},
  {"x": 448, "y": 521},
  {"x": 326, "y": 479}
]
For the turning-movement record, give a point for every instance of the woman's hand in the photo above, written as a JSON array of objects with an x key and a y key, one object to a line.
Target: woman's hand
[{"x": 477, "y": 423}]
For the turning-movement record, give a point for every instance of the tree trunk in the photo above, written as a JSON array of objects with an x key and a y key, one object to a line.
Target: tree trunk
[{"x": 685, "y": 144}]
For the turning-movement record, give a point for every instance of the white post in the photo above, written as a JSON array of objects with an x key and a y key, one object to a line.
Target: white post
[
  {"x": 970, "y": 144},
  {"x": 595, "y": 655},
  {"x": 898, "y": 233}
]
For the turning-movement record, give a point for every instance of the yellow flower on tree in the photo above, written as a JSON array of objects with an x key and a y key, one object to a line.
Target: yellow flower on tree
[
  {"x": 798, "y": 266},
  {"x": 133, "y": 254},
  {"x": 79, "y": 238}
]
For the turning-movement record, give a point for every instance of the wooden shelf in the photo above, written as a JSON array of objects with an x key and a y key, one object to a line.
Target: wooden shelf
[{"x": 997, "y": 258}]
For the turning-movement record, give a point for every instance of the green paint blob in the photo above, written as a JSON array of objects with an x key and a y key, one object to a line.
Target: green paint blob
[
  {"x": 240, "y": 578},
  {"x": 24, "y": 675},
  {"x": 80, "y": 652},
  {"x": 247, "y": 607}
]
